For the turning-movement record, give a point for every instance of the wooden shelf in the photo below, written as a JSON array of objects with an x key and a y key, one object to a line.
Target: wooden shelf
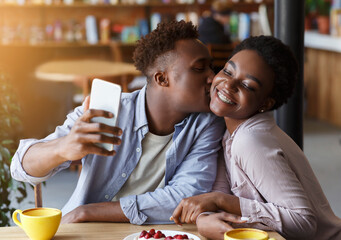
[
  {"x": 86, "y": 5},
  {"x": 82, "y": 44},
  {"x": 236, "y": 6}
]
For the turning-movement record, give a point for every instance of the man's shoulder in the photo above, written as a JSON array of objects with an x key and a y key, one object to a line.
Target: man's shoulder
[
  {"x": 208, "y": 117},
  {"x": 130, "y": 99},
  {"x": 205, "y": 120},
  {"x": 129, "y": 96}
]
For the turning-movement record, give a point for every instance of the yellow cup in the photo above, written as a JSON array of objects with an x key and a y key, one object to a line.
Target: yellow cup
[
  {"x": 246, "y": 233},
  {"x": 38, "y": 223}
]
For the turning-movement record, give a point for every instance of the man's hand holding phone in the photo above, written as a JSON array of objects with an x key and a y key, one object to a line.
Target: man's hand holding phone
[
  {"x": 85, "y": 134},
  {"x": 95, "y": 132}
]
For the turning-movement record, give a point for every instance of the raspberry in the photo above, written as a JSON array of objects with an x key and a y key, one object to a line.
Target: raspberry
[
  {"x": 158, "y": 235},
  {"x": 147, "y": 236},
  {"x": 143, "y": 233}
]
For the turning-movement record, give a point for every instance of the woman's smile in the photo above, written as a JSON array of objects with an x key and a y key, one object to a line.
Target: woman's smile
[{"x": 225, "y": 98}]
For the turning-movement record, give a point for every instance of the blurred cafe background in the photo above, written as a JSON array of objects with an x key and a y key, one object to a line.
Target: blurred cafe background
[{"x": 50, "y": 50}]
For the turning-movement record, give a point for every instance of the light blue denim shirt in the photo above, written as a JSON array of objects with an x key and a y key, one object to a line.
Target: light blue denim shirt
[{"x": 190, "y": 163}]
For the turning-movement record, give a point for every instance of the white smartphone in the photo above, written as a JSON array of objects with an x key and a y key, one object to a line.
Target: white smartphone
[{"x": 105, "y": 96}]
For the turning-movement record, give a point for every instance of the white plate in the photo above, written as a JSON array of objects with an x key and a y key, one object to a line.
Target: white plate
[{"x": 166, "y": 232}]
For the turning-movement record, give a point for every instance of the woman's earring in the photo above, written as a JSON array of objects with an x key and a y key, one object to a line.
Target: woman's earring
[{"x": 261, "y": 110}]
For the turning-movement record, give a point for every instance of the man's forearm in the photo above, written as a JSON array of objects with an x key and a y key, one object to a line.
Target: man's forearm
[
  {"x": 96, "y": 212},
  {"x": 41, "y": 158}
]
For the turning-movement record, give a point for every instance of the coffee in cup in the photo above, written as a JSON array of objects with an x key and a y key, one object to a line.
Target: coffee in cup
[
  {"x": 246, "y": 234},
  {"x": 38, "y": 223}
]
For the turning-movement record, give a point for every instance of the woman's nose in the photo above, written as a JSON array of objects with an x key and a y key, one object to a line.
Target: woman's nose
[{"x": 230, "y": 84}]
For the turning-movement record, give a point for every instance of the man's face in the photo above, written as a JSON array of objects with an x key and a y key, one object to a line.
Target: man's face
[{"x": 190, "y": 77}]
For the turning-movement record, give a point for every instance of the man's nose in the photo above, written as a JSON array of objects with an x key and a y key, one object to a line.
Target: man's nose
[{"x": 210, "y": 76}]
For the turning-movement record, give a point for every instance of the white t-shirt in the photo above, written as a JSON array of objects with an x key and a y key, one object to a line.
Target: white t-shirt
[{"x": 149, "y": 173}]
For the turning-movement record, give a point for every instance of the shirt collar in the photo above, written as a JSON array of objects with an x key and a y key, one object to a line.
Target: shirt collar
[
  {"x": 141, "y": 117},
  {"x": 254, "y": 120},
  {"x": 140, "y": 110}
]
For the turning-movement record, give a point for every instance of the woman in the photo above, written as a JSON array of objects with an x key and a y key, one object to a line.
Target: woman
[{"x": 266, "y": 179}]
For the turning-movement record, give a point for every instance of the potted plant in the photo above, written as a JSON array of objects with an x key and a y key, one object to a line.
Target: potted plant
[
  {"x": 9, "y": 127},
  {"x": 309, "y": 14},
  {"x": 323, "y": 11}
]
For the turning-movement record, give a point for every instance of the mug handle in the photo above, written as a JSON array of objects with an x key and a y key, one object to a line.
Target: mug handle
[{"x": 15, "y": 217}]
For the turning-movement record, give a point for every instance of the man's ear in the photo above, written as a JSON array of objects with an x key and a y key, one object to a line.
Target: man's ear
[
  {"x": 268, "y": 104},
  {"x": 161, "y": 79}
]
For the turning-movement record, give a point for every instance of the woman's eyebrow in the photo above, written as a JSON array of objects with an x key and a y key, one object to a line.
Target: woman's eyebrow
[
  {"x": 232, "y": 64},
  {"x": 254, "y": 79}
]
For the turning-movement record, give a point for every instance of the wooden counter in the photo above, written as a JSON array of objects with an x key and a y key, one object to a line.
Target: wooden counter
[
  {"x": 101, "y": 231},
  {"x": 322, "y": 77}
]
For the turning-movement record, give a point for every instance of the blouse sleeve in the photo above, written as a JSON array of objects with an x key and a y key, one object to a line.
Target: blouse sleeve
[{"x": 281, "y": 202}]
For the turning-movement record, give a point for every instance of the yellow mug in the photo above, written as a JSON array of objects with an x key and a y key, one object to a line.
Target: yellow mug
[
  {"x": 246, "y": 233},
  {"x": 38, "y": 223}
]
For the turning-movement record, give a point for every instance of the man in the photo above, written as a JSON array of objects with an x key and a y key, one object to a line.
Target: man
[
  {"x": 212, "y": 27},
  {"x": 167, "y": 149}
]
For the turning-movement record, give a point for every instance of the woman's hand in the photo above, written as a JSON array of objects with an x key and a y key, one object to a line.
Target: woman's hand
[
  {"x": 189, "y": 208},
  {"x": 214, "y": 226},
  {"x": 84, "y": 134}
]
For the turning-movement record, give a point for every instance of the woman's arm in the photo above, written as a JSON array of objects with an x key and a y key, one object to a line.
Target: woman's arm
[
  {"x": 222, "y": 183},
  {"x": 189, "y": 208},
  {"x": 269, "y": 190}
]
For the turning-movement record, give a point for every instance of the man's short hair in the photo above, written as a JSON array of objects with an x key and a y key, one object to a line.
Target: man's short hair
[{"x": 157, "y": 44}]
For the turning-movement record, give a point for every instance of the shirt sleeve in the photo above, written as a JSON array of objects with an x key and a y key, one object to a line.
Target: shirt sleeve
[
  {"x": 279, "y": 200},
  {"x": 17, "y": 170},
  {"x": 194, "y": 175}
]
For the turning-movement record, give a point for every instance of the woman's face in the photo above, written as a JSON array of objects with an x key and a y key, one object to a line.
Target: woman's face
[{"x": 242, "y": 88}]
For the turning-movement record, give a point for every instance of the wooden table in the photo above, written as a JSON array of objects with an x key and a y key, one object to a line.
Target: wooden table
[
  {"x": 103, "y": 231},
  {"x": 82, "y": 72}
]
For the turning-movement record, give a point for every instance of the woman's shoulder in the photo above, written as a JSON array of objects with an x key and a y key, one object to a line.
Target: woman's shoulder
[
  {"x": 256, "y": 137},
  {"x": 256, "y": 128}
]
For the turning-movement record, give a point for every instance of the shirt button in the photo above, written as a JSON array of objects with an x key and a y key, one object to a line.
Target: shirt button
[
  {"x": 144, "y": 128},
  {"x": 124, "y": 175},
  {"x": 138, "y": 149},
  {"x": 106, "y": 196}
]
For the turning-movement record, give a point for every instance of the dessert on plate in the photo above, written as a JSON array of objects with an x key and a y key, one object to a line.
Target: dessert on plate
[{"x": 158, "y": 235}]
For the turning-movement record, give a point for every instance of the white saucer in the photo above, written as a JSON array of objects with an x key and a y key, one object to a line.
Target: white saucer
[{"x": 166, "y": 232}]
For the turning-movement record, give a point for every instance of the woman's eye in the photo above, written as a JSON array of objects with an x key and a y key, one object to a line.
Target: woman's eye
[
  {"x": 227, "y": 72},
  {"x": 247, "y": 87}
]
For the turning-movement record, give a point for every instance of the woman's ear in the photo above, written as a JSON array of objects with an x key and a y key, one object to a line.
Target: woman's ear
[
  {"x": 268, "y": 104},
  {"x": 161, "y": 79}
]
